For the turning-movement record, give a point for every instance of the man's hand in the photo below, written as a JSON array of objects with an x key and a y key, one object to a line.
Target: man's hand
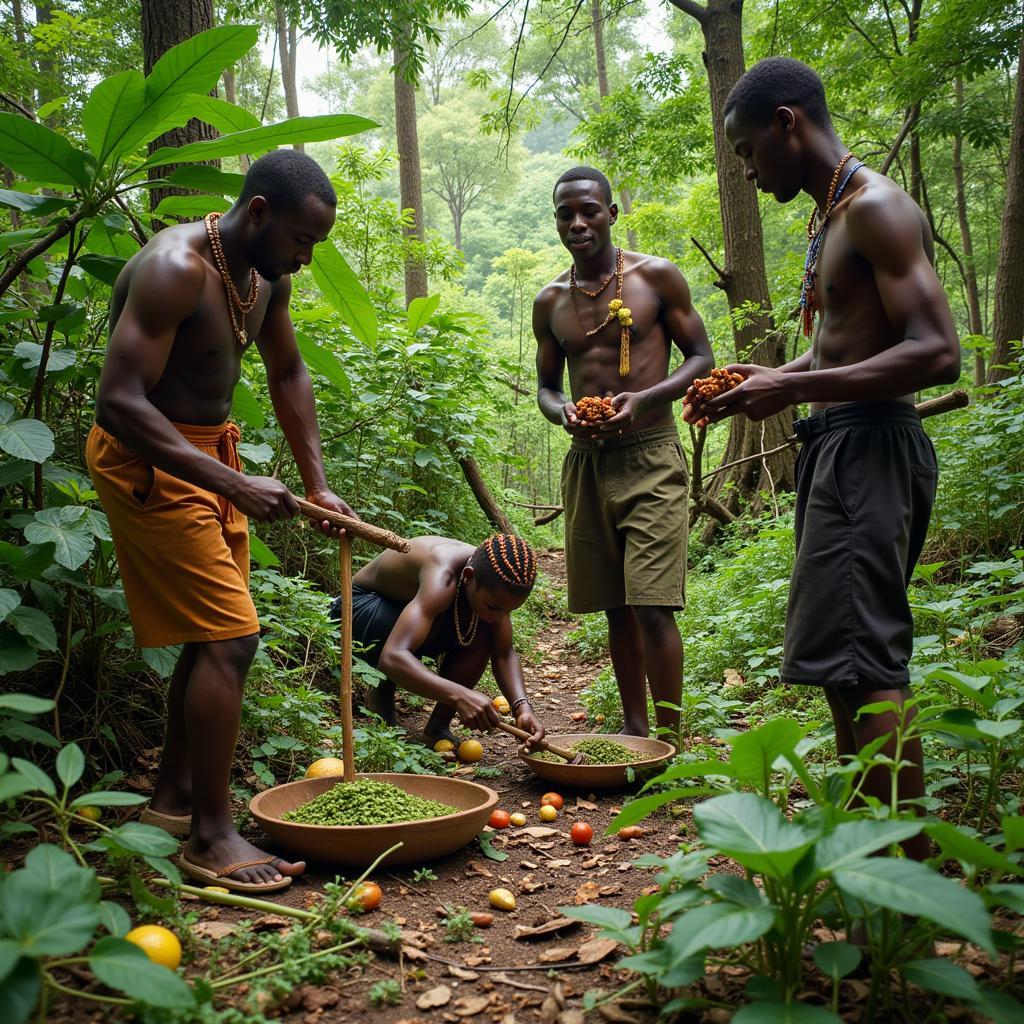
[
  {"x": 571, "y": 420},
  {"x": 628, "y": 406},
  {"x": 330, "y": 501},
  {"x": 475, "y": 710},
  {"x": 263, "y": 498},
  {"x": 527, "y": 721},
  {"x": 763, "y": 393}
]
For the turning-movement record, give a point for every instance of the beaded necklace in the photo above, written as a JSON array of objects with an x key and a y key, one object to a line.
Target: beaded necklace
[
  {"x": 815, "y": 239},
  {"x": 474, "y": 620},
  {"x": 234, "y": 299},
  {"x": 616, "y": 310}
]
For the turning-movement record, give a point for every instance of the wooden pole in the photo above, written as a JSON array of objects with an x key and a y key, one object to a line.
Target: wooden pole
[
  {"x": 348, "y": 744},
  {"x": 355, "y": 527}
]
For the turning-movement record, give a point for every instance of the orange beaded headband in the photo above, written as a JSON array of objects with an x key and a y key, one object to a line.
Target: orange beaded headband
[{"x": 518, "y": 564}]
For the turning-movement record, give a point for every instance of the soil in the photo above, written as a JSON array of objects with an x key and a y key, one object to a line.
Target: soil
[{"x": 505, "y": 979}]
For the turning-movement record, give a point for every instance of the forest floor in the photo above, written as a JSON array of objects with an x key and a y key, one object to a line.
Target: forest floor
[{"x": 508, "y": 977}]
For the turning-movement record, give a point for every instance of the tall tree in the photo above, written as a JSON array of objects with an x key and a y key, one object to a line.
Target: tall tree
[
  {"x": 165, "y": 25},
  {"x": 1008, "y": 315},
  {"x": 287, "y": 51},
  {"x": 410, "y": 177},
  {"x": 742, "y": 274}
]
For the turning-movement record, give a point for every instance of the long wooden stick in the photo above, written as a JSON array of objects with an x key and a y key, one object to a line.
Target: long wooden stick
[
  {"x": 522, "y": 734},
  {"x": 348, "y": 743},
  {"x": 354, "y": 527}
]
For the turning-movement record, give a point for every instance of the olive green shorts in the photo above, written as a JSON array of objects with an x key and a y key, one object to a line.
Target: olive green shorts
[{"x": 626, "y": 520}]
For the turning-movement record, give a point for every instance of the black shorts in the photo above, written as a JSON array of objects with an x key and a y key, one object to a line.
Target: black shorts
[
  {"x": 373, "y": 618},
  {"x": 866, "y": 480}
]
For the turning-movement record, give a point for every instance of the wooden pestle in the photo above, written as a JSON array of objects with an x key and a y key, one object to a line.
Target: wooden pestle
[{"x": 522, "y": 734}]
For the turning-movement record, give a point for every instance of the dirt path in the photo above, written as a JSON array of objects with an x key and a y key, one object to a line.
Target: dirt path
[{"x": 543, "y": 872}]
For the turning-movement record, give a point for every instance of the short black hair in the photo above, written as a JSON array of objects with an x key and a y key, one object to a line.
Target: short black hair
[
  {"x": 284, "y": 177},
  {"x": 778, "y": 82},
  {"x": 584, "y": 173},
  {"x": 505, "y": 561}
]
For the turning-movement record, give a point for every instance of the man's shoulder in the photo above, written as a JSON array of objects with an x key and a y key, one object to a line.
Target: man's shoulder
[
  {"x": 654, "y": 267},
  {"x": 555, "y": 287},
  {"x": 878, "y": 208},
  {"x": 171, "y": 257}
]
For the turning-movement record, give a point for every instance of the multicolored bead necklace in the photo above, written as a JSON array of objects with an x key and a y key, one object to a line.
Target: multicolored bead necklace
[
  {"x": 234, "y": 299},
  {"x": 616, "y": 310},
  {"x": 464, "y": 639},
  {"x": 815, "y": 238}
]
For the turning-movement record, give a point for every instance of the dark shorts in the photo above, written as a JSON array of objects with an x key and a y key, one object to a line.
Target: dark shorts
[
  {"x": 373, "y": 618},
  {"x": 626, "y": 520},
  {"x": 866, "y": 479}
]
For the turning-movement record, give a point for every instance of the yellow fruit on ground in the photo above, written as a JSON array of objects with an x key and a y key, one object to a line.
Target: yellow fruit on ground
[
  {"x": 502, "y": 705},
  {"x": 159, "y": 944},
  {"x": 91, "y": 813},
  {"x": 548, "y": 813},
  {"x": 470, "y": 750},
  {"x": 443, "y": 746},
  {"x": 502, "y": 899},
  {"x": 325, "y": 766},
  {"x": 517, "y": 819}
]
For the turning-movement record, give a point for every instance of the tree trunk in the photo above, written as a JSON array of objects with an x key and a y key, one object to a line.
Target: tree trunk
[
  {"x": 229, "y": 95},
  {"x": 495, "y": 516},
  {"x": 457, "y": 225},
  {"x": 287, "y": 45},
  {"x": 625, "y": 200},
  {"x": 742, "y": 277},
  {"x": 975, "y": 325},
  {"x": 410, "y": 182},
  {"x": 1008, "y": 316},
  {"x": 165, "y": 25},
  {"x": 44, "y": 61}
]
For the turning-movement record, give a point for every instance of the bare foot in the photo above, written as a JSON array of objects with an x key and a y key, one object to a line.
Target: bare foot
[{"x": 231, "y": 848}]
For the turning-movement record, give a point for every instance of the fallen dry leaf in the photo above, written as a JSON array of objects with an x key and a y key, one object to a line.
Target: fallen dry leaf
[
  {"x": 476, "y": 961},
  {"x": 470, "y": 1006},
  {"x": 527, "y": 932},
  {"x": 315, "y": 998},
  {"x": 587, "y": 893},
  {"x": 550, "y": 956},
  {"x": 474, "y": 867},
  {"x": 614, "y": 889},
  {"x": 539, "y": 831},
  {"x": 270, "y": 921},
  {"x": 593, "y": 862},
  {"x": 412, "y": 953},
  {"x": 213, "y": 929},
  {"x": 529, "y": 865},
  {"x": 462, "y": 975},
  {"x": 584, "y": 805},
  {"x": 615, "y": 1013},
  {"x": 559, "y": 862},
  {"x": 437, "y": 996},
  {"x": 595, "y": 950},
  {"x": 504, "y": 979},
  {"x": 529, "y": 884}
]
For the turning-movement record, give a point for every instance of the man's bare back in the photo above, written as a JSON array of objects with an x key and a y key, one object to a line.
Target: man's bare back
[{"x": 430, "y": 560}]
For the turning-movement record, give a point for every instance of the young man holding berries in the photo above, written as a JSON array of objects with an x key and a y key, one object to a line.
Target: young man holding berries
[{"x": 613, "y": 318}]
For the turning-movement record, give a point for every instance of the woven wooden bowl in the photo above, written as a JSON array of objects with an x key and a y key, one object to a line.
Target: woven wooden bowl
[
  {"x": 599, "y": 776},
  {"x": 360, "y": 845}
]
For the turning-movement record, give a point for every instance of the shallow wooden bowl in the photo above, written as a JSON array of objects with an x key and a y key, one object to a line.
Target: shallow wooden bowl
[
  {"x": 599, "y": 776},
  {"x": 360, "y": 845}
]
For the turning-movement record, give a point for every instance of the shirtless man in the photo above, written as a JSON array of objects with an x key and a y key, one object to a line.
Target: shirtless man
[
  {"x": 866, "y": 474},
  {"x": 164, "y": 462},
  {"x": 449, "y": 601},
  {"x": 624, "y": 479}
]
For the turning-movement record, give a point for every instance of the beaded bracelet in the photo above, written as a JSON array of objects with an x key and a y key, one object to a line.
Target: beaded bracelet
[{"x": 518, "y": 701}]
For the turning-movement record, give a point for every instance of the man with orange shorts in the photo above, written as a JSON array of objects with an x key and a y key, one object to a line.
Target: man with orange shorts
[{"x": 164, "y": 461}]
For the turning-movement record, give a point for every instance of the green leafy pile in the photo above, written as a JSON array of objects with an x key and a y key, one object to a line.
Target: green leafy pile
[{"x": 366, "y": 802}]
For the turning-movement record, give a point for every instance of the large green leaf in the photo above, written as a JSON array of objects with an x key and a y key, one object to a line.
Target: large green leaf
[
  {"x": 57, "y": 359},
  {"x": 70, "y": 764},
  {"x": 852, "y": 840},
  {"x": 756, "y": 750},
  {"x": 19, "y": 992},
  {"x": 108, "y": 798},
  {"x": 912, "y": 888},
  {"x": 111, "y": 110},
  {"x": 193, "y": 66},
  {"x": 33, "y": 205},
  {"x": 35, "y": 626},
  {"x": 27, "y": 562},
  {"x": 246, "y": 407},
  {"x": 16, "y": 654},
  {"x": 324, "y": 362},
  {"x": 40, "y": 154},
  {"x": 144, "y": 839},
  {"x": 344, "y": 291},
  {"x": 190, "y": 206},
  {"x": 67, "y": 529},
  {"x": 103, "y": 268},
  {"x": 260, "y": 553},
  {"x": 420, "y": 311},
  {"x": 942, "y": 976},
  {"x": 122, "y": 965},
  {"x": 226, "y": 117},
  {"x": 259, "y": 140},
  {"x": 207, "y": 179},
  {"x": 27, "y": 439},
  {"x": 959, "y": 845},
  {"x": 9, "y": 600},
  {"x": 26, "y": 703},
  {"x": 753, "y": 831},
  {"x": 718, "y": 926}
]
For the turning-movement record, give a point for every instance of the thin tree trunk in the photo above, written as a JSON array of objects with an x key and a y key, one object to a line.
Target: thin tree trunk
[
  {"x": 410, "y": 182},
  {"x": 1008, "y": 315},
  {"x": 482, "y": 493},
  {"x": 287, "y": 45},
  {"x": 742, "y": 277},
  {"x": 165, "y": 25},
  {"x": 970, "y": 273},
  {"x": 229, "y": 95},
  {"x": 44, "y": 61}
]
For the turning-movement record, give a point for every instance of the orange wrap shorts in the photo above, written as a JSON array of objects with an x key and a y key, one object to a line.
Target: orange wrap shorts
[{"x": 183, "y": 551}]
